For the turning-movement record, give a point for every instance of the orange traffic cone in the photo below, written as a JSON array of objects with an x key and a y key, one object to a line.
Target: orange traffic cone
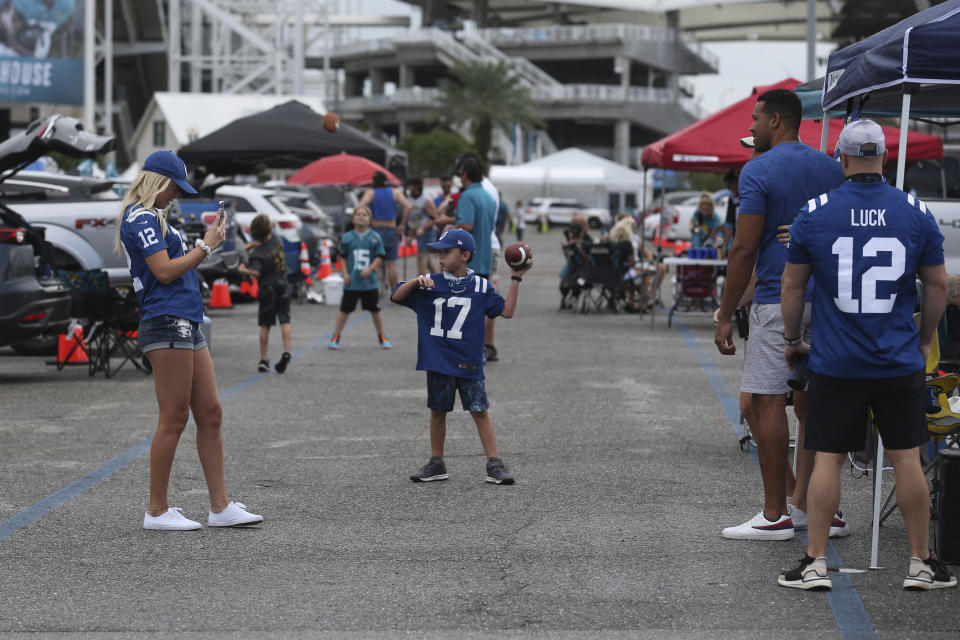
[
  {"x": 339, "y": 264},
  {"x": 66, "y": 344},
  {"x": 220, "y": 295},
  {"x": 305, "y": 262},
  {"x": 324, "y": 270},
  {"x": 255, "y": 288}
]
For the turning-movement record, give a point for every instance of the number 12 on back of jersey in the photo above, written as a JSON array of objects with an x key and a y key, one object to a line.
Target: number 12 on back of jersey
[{"x": 843, "y": 248}]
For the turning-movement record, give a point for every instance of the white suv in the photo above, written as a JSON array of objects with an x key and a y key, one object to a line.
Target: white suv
[
  {"x": 561, "y": 210},
  {"x": 248, "y": 201}
]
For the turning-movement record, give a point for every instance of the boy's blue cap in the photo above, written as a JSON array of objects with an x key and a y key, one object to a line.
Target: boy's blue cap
[
  {"x": 455, "y": 238},
  {"x": 167, "y": 163}
]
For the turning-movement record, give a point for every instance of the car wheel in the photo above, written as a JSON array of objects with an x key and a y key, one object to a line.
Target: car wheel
[
  {"x": 594, "y": 223},
  {"x": 38, "y": 346}
]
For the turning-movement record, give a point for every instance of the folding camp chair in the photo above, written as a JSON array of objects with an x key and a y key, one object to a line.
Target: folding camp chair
[
  {"x": 604, "y": 281},
  {"x": 111, "y": 317}
]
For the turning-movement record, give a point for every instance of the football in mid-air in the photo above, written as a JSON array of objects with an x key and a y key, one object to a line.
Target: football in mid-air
[
  {"x": 518, "y": 255},
  {"x": 331, "y": 122}
]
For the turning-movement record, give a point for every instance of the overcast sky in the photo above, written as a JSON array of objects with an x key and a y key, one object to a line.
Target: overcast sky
[{"x": 743, "y": 65}]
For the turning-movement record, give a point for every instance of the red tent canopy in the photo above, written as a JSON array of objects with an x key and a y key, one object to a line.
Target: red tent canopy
[
  {"x": 713, "y": 144},
  {"x": 342, "y": 168}
]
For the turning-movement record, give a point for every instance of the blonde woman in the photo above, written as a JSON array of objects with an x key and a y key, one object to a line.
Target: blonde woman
[
  {"x": 705, "y": 221},
  {"x": 162, "y": 268}
]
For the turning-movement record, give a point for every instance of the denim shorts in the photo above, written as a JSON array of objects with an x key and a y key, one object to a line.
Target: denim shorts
[
  {"x": 170, "y": 332},
  {"x": 442, "y": 391},
  {"x": 391, "y": 242}
]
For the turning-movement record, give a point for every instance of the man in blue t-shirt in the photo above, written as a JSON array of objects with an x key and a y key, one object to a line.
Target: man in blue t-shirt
[
  {"x": 865, "y": 243},
  {"x": 773, "y": 187},
  {"x": 451, "y": 308}
]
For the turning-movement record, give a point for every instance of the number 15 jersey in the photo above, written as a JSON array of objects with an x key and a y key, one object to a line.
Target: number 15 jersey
[
  {"x": 450, "y": 324},
  {"x": 865, "y": 242}
]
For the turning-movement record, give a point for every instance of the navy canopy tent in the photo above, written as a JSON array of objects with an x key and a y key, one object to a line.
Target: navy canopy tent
[
  {"x": 915, "y": 58},
  {"x": 921, "y": 50}
]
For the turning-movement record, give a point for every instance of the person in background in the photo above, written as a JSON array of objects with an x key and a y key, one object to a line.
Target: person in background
[
  {"x": 520, "y": 220},
  {"x": 363, "y": 252},
  {"x": 422, "y": 222},
  {"x": 267, "y": 263},
  {"x": 383, "y": 201},
  {"x": 704, "y": 222}
]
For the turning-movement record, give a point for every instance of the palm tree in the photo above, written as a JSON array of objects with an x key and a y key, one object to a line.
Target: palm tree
[{"x": 486, "y": 95}]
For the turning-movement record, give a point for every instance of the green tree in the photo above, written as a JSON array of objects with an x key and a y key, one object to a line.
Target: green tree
[
  {"x": 486, "y": 95},
  {"x": 433, "y": 153}
]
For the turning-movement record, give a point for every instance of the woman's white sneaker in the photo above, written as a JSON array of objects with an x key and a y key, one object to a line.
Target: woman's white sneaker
[
  {"x": 235, "y": 515},
  {"x": 170, "y": 520}
]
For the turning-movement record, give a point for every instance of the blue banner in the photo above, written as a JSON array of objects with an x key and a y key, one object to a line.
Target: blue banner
[
  {"x": 41, "y": 51},
  {"x": 36, "y": 80}
]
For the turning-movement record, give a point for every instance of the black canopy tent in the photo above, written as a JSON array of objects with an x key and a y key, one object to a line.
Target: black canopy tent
[{"x": 287, "y": 136}]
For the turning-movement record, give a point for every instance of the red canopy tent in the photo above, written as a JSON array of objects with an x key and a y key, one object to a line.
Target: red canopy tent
[
  {"x": 341, "y": 168},
  {"x": 713, "y": 144}
]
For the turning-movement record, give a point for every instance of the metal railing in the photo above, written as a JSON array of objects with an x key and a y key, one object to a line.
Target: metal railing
[{"x": 581, "y": 34}]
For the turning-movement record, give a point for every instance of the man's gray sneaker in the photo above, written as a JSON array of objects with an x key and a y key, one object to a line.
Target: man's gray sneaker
[
  {"x": 928, "y": 574},
  {"x": 497, "y": 472},
  {"x": 435, "y": 469}
]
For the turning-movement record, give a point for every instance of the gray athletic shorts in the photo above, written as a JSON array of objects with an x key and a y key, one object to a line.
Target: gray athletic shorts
[{"x": 764, "y": 369}]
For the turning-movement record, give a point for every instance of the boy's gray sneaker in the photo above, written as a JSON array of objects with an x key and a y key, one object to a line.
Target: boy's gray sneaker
[
  {"x": 497, "y": 472},
  {"x": 435, "y": 469}
]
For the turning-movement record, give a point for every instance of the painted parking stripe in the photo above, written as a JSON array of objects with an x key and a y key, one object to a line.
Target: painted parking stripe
[
  {"x": 852, "y": 619},
  {"x": 39, "y": 509}
]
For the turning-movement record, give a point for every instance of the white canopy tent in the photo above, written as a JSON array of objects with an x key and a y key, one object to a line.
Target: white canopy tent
[{"x": 571, "y": 173}]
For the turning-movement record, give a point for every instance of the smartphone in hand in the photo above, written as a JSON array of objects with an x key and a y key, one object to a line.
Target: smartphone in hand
[{"x": 221, "y": 213}]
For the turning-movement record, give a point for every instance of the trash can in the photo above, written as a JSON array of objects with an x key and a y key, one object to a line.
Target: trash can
[
  {"x": 333, "y": 290},
  {"x": 948, "y": 507}
]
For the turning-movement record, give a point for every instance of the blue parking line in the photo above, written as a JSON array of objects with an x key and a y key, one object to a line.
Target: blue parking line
[
  {"x": 852, "y": 619},
  {"x": 39, "y": 509}
]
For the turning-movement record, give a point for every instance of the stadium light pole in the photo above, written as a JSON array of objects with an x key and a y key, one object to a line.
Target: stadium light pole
[
  {"x": 811, "y": 39},
  {"x": 89, "y": 65}
]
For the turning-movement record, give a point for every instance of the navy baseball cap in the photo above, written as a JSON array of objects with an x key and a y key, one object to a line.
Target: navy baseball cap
[
  {"x": 168, "y": 164},
  {"x": 455, "y": 238}
]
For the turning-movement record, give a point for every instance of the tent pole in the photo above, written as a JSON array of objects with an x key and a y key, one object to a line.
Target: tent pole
[
  {"x": 824, "y": 131},
  {"x": 902, "y": 148},
  {"x": 643, "y": 197}
]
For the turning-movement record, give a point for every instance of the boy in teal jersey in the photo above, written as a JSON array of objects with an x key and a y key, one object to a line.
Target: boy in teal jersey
[{"x": 363, "y": 250}]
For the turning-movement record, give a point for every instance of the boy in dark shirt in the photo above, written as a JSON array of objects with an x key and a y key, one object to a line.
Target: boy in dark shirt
[{"x": 268, "y": 263}]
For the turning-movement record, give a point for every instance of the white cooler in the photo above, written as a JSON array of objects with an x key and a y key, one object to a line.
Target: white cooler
[{"x": 333, "y": 290}]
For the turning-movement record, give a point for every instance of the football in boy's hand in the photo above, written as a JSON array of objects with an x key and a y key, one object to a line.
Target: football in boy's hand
[
  {"x": 331, "y": 122},
  {"x": 517, "y": 255}
]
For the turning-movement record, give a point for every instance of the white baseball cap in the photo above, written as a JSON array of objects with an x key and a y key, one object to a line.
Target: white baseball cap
[{"x": 862, "y": 138}]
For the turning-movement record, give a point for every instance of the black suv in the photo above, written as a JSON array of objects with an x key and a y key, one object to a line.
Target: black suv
[{"x": 33, "y": 303}]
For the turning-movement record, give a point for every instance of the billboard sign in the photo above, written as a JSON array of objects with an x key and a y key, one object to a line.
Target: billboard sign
[{"x": 41, "y": 51}]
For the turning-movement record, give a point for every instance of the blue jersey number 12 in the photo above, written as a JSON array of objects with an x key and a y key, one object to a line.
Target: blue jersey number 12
[{"x": 843, "y": 247}]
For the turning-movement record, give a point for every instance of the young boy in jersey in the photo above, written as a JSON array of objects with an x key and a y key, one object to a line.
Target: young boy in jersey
[
  {"x": 363, "y": 249},
  {"x": 268, "y": 264},
  {"x": 450, "y": 308}
]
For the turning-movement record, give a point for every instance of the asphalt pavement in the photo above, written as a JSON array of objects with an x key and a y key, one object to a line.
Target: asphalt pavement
[{"x": 619, "y": 434}]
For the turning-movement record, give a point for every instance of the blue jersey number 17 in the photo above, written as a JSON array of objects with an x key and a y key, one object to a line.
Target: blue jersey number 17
[{"x": 455, "y": 332}]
